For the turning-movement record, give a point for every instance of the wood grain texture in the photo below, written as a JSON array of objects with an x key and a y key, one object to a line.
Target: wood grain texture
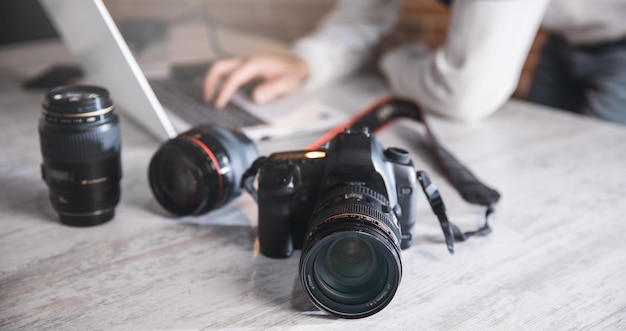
[{"x": 555, "y": 261}]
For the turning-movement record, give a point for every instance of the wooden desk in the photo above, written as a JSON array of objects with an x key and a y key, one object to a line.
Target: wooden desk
[{"x": 555, "y": 260}]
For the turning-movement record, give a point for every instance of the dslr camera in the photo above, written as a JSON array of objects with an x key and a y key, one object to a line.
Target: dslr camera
[{"x": 350, "y": 208}]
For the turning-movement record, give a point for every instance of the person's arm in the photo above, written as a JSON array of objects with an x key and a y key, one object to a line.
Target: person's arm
[
  {"x": 340, "y": 46},
  {"x": 345, "y": 39},
  {"x": 478, "y": 67}
]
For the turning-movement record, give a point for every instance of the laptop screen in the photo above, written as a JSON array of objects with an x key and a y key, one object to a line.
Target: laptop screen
[{"x": 90, "y": 33}]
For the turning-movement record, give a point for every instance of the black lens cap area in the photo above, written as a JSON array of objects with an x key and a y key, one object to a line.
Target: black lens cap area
[
  {"x": 177, "y": 182},
  {"x": 76, "y": 99},
  {"x": 87, "y": 219}
]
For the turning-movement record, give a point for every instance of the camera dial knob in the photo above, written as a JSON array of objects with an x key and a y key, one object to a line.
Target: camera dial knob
[
  {"x": 398, "y": 155},
  {"x": 364, "y": 131}
]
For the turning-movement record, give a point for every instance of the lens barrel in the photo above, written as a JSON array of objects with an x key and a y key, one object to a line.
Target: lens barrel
[
  {"x": 200, "y": 170},
  {"x": 350, "y": 264},
  {"x": 79, "y": 134}
]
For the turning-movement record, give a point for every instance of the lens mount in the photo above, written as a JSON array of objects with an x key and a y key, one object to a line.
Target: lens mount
[{"x": 87, "y": 219}]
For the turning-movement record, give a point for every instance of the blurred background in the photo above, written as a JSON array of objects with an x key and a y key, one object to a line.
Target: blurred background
[{"x": 285, "y": 20}]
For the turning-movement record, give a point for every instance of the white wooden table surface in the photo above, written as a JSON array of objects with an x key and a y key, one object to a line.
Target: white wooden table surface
[{"x": 556, "y": 259}]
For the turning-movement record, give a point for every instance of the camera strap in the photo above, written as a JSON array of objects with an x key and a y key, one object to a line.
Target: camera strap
[
  {"x": 247, "y": 179},
  {"x": 471, "y": 189}
]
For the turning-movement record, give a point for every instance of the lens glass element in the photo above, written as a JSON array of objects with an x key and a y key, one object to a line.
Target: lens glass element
[
  {"x": 181, "y": 184},
  {"x": 351, "y": 270},
  {"x": 351, "y": 258},
  {"x": 181, "y": 181}
]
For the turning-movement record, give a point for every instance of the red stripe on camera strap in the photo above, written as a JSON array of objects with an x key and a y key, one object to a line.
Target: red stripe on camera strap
[{"x": 367, "y": 118}]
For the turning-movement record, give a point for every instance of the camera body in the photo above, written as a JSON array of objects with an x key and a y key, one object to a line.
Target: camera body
[{"x": 299, "y": 191}]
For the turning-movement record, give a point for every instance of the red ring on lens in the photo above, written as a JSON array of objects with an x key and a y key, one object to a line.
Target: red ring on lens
[{"x": 216, "y": 164}]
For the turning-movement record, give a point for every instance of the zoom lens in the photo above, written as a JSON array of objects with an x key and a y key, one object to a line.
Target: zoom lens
[
  {"x": 79, "y": 134},
  {"x": 350, "y": 264},
  {"x": 200, "y": 170}
]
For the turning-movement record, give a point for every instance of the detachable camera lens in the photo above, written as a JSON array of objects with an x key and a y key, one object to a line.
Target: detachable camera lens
[
  {"x": 200, "y": 170},
  {"x": 350, "y": 264},
  {"x": 79, "y": 134}
]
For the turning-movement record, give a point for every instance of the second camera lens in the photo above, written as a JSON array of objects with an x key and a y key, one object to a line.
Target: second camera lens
[
  {"x": 80, "y": 140},
  {"x": 200, "y": 170}
]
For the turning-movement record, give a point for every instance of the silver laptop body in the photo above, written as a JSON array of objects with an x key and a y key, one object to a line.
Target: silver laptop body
[{"x": 90, "y": 33}]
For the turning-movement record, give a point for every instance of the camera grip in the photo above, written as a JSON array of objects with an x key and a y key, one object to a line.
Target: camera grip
[{"x": 277, "y": 187}]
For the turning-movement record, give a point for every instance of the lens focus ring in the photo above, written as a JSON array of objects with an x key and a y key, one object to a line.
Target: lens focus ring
[
  {"x": 80, "y": 146},
  {"x": 357, "y": 200},
  {"x": 363, "y": 213}
]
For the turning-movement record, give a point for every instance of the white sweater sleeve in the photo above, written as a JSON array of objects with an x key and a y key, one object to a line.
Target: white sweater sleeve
[
  {"x": 345, "y": 39},
  {"x": 478, "y": 67}
]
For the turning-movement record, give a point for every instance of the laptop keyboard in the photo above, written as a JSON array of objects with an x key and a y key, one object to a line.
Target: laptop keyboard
[{"x": 184, "y": 101}]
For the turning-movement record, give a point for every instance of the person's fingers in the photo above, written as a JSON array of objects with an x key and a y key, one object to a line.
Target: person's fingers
[
  {"x": 289, "y": 77},
  {"x": 242, "y": 75},
  {"x": 216, "y": 74},
  {"x": 274, "y": 88},
  {"x": 282, "y": 74}
]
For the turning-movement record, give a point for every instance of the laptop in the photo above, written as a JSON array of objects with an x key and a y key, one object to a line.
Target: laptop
[{"x": 90, "y": 33}]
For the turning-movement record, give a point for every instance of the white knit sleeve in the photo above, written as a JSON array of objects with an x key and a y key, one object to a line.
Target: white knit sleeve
[
  {"x": 478, "y": 67},
  {"x": 345, "y": 38}
]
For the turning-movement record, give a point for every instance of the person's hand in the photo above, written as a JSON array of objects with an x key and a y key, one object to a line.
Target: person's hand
[{"x": 280, "y": 75}]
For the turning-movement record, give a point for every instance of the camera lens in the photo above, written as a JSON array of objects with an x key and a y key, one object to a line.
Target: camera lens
[
  {"x": 350, "y": 258},
  {"x": 350, "y": 264},
  {"x": 200, "y": 170},
  {"x": 350, "y": 270},
  {"x": 79, "y": 134}
]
